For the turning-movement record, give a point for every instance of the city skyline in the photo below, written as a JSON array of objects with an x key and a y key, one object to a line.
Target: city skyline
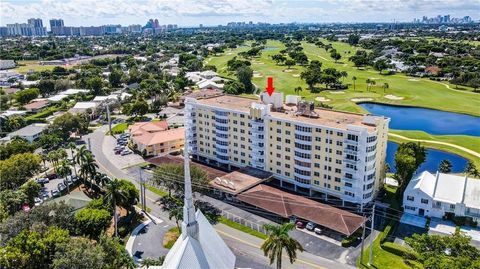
[{"x": 206, "y": 12}]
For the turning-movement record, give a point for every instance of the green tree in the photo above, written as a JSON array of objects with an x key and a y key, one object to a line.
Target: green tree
[
  {"x": 385, "y": 86},
  {"x": 152, "y": 262},
  {"x": 95, "y": 84},
  {"x": 115, "y": 77},
  {"x": 46, "y": 87},
  {"x": 445, "y": 166},
  {"x": 176, "y": 213},
  {"x": 88, "y": 168},
  {"x": 92, "y": 222},
  {"x": 297, "y": 90},
  {"x": 31, "y": 189},
  {"x": 289, "y": 63},
  {"x": 353, "y": 39},
  {"x": 171, "y": 176},
  {"x": 114, "y": 197},
  {"x": 471, "y": 170},
  {"x": 17, "y": 169},
  {"x": 116, "y": 256},
  {"x": 244, "y": 75},
  {"x": 233, "y": 87},
  {"x": 335, "y": 55},
  {"x": 79, "y": 253},
  {"x": 438, "y": 251},
  {"x": 139, "y": 108},
  {"x": 27, "y": 95},
  {"x": 354, "y": 79},
  {"x": 278, "y": 240},
  {"x": 408, "y": 157}
]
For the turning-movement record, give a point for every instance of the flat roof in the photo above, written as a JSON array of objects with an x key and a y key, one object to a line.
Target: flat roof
[
  {"x": 287, "y": 205},
  {"x": 238, "y": 181},
  {"x": 326, "y": 117},
  {"x": 29, "y": 130}
]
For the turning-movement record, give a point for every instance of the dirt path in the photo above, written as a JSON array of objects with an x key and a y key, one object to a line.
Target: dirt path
[{"x": 474, "y": 153}]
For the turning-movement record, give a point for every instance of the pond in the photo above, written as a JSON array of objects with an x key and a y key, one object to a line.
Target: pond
[
  {"x": 432, "y": 121},
  {"x": 434, "y": 157}
]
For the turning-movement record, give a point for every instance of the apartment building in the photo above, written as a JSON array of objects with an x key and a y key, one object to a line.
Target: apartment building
[{"x": 319, "y": 152}]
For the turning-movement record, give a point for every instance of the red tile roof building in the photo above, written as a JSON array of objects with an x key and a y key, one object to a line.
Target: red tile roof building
[{"x": 154, "y": 138}]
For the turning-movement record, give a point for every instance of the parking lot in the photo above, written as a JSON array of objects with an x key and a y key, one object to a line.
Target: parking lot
[
  {"x": 54, "y": 187},
  {"x": 119, "y": 160}
]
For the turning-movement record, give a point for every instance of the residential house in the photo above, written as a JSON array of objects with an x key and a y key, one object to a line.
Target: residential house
[
  {"x": 154, "y": 138},
  {"x": 440, "y": 194},
  {"x": 30, "y": 133},
  {"x": 36, "y": 105},
  {"x": 93, "y": 108}
]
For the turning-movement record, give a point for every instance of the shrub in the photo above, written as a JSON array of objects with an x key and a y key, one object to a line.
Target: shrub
[
  {"x": 399, "y": 250},
  {"x": 387, "y": 231},
  {"x": 92, "y": 222},
  {"x": 349, "y": 241},
  {"x": 122, "y": 231}
]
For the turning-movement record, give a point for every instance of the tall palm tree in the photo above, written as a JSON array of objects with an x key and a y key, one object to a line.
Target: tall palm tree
[
  {"x": 445, "y": 166},
  {"x": 64, "y": 170},
  {"x": 73, "y": 148},
  {"x": 368, "y": 81},
  {"x": 343, "y": 74},
  {"x": 298, "y": 89},
  {"x": 354, "y": 78},
  {"x": 102, "y": 179},
  {"x": 113, "y": 197},
  {"x": 385, "y": 86},
  {"x": 88, "y": 168},
  {"x": 279, "y": 239}
]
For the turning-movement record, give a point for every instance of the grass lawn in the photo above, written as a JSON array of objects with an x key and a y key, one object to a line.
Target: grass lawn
[
  {"x": 242, "y": 228},
  {"x": 170, "y": 237},
  {"x": 26, "y": 66},
  {"x": 156, "y": 191},
  {"x": 469, "y": 142},
  {"x": 415, "y": 91},
  {"x": 119, "y": 128}
]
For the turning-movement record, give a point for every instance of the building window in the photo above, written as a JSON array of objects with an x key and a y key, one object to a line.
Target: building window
[
  {"x": 337, "y": 188},
  {"x": 411, "y": 208},
  {"x": 452, "y": 207},
  {"x": 424, "y": 201},
  {"x": 410, "y": 198}
]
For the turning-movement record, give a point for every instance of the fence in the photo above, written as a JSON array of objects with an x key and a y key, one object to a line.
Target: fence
[{"x": 252, "y": 225}]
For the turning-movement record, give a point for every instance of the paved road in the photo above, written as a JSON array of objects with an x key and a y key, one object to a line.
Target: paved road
[{"x": 246, "y": 247}]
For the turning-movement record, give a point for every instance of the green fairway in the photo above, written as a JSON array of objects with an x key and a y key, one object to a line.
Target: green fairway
[
  {"x": 403, "y": 90},
  {"x": 470, "y": 143},
  {"x": 27, "y": 66}
]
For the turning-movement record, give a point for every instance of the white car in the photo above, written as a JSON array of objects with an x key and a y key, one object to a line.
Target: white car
[{"x": 38, "y": 201}]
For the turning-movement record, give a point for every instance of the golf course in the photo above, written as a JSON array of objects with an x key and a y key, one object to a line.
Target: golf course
[{"x": 402, "y": 90}]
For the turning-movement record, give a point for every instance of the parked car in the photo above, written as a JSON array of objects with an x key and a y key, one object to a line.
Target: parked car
[
  {"x": 317, "y": 230},
  {"x": 68, "y": 181},
  {"x": 310, "y": 226},
  {"x": 38, "y": 201},
  {"x": 52, "y": 176},
  {"x": 300, "y": 225},
  {"x": 126, "y": 152},
  {"x": 61, "y": 186},
  {"x": 55, "y": 193},
  {"x": 42, "y": 180}
]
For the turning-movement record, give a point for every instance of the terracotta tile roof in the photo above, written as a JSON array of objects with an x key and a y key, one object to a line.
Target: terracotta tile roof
[
  {"x": 287, "y": 205},
  {"x": 238, "y": 181},
  {"x": 152, "y": 138},
  {"x": 36, "y": 105},
  {"x": 150, "y": 126}
]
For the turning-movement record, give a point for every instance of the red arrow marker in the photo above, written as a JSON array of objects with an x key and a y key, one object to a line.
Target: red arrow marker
[{"x": 270, "y": 89}]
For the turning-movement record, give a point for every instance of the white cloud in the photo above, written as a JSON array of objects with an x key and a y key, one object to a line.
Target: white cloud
[{"x": 88, "y": 12}]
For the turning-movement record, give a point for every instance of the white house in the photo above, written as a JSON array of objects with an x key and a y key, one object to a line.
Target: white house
[
  {"x": 30, "y": 133},
  {"x": 435, "y": 195}
]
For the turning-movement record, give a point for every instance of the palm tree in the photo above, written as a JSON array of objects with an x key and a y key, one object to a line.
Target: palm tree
[
  {"x": 177, "y": 214},
  {"x": 64, "y": 170},
  {"x": 88, "y": 168},
  {"x": 445, "y": 166},
  {"x": 354, "y": 78},
  {"x": 114, "y": 196},
  {"x": 298, "y": 90},
  {"x": 368, "y": 81},
  {"x": 343, "y": 74},
  {"x": 152, "y": 262},
  {"x": 385, "y": 86},
  {"x": 101, "y": 179},
  {"x": 73, "y": 147},
  {"x": 279, "y": 239}
]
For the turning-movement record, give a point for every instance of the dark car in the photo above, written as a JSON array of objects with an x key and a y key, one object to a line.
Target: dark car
[
  {"x": 300, "y": 225},
  {"x": 52, "y": 176}
]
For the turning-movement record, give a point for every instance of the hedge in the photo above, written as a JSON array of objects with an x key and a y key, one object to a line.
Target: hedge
[
  {"x": 387, "y": 231},
  {"x": 399, "y": 250}
]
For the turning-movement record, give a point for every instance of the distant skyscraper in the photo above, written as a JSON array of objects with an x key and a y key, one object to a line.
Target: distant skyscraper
[
  {"x": 37, "y": 25},
  {"x": 56, "y": 23}
]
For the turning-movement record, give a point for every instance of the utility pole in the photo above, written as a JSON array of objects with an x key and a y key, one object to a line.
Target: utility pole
[
  {"x": 371, "y": 234},
  {"x": 142, "y": 191},
  {"x": 363, "y": 240},
  {"x": 108, "y": 118}
]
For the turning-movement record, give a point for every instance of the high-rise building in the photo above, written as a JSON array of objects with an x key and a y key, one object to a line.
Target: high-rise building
[
  {"x": 56, "y": 23},
  {"x": 38, "y": 29},
  {"x": 20, "y": 29},
  {"x": 319, "y": 152}
]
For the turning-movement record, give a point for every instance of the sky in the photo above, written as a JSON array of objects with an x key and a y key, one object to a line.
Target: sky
[{"x": 214, "y": 12}]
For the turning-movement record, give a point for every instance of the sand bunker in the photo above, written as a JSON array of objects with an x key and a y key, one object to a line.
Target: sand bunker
[
  {"x": 413, "y": 79},
  {"x": 337, "y": 92},
  {"x": 393, "y": 97},
  {"x": 296, "y": 75},
  {"x": 361, "y": 99},
  {"x": 287, "y": 70},
  {"x": 322, "y": 99}
]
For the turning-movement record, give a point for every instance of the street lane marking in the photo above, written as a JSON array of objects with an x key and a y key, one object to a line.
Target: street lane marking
[{"x": 258, "y": 247}]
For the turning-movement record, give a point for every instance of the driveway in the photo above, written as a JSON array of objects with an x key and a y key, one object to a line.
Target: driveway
[{"x": 440, "y": 226}]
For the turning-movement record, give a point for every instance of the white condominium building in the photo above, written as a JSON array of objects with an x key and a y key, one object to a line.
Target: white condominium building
[{"x": 319, "y": 152}]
